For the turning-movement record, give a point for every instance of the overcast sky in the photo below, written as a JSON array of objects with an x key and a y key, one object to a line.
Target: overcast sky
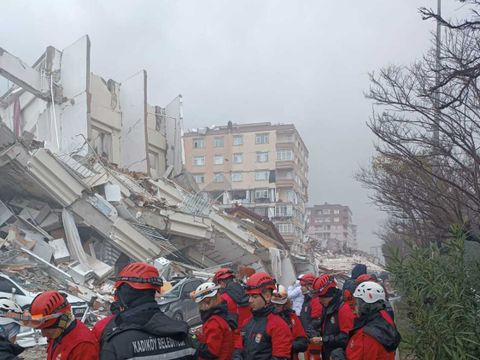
[{"x": 300, "y": 61}]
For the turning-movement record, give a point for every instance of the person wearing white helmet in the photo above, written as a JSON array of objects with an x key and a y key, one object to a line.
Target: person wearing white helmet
[
  {"x": 283, "y": 307},
  {"x": 374, "y": 335},
  {"x": 216, "y": 337},
  {"x": 9, "y": 328}
]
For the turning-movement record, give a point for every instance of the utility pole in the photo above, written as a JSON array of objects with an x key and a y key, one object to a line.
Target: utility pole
[{"x": 436, "y": 133}]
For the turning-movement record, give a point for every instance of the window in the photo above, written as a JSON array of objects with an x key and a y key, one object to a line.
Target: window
[
  {"x": 198, "y": 143},
  {"x": 218, "y": 177},
  {"x": 237, "y": 140},
  {"x": 284, "y": 210},
  {"x": 262, "y": 175},
  {"x": 326, "y": 211},
  {"x": 199, "y": 160},
  {"x": 261, "y": 138},
  {"x": 262, "y": 156},
  {"x": 218, "y": 142},
  {"x": 236, "y": 176},
  {"x": 218, "y": 160},
  {"x": 336, "y": 219},
  {"x": 283, "y": 155},
  {"x": 237, "y": 158},
  {"x": 199, "y": 178},
  {"x": 261, "y": 193},
  {"x": 327, "y": 220},
  {"x": 336, "y": 211},
  {"x": 285, "y": 228}
]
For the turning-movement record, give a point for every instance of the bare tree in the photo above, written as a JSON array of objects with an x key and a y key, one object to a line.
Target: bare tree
[{"x": 427, "y": 184}]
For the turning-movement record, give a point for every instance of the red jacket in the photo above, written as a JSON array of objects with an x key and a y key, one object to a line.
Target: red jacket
[
  {"x": 218, "y": 337},
  {"x": 99, "y": 326},
  {"x": 76, "y": 343},
  {"x": 362, "y": 346},
  {"x": 265, "y": 336},
  {"x": 243, "y": 312}
]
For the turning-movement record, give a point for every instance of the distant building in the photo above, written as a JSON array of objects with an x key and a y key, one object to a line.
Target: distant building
[
  {"x": 261, "y": 166},
  {"x": 331, "y": 227}
]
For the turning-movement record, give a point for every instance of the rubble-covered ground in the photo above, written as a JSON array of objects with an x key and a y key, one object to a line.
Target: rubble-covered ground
[{"x": 35, "y": 353}]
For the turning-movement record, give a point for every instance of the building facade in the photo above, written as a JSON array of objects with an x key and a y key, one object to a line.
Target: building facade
[
  {"x": 260, "y": 166},
  {"x": 330, "y": 226}
]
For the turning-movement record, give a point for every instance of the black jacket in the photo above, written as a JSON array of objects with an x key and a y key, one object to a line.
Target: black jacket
[
  {"x": 311, "y": 326},
  {"x": 332, "y": 336},
  {"x": 9, "y": 351},
  {"x": 143, "y": 332}
]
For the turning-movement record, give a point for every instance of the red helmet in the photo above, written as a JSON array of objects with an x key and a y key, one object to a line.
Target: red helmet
[
  {"x": 323, "y": 283},
  {"x": 223, "y": 274},
  {"x": 306, "y": 279},
  {"x": 258, "y": 282},
  {"x": 141, "y": 276},
  {"x": 48, "y": 303},
  {"x": 364, "y": 277}
]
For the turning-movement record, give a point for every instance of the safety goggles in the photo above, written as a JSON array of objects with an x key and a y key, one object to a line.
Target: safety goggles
[{"x": 156, "y": 281}]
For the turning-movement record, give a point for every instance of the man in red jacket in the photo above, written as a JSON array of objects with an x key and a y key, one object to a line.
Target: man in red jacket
[
  {"x": 68, "y": 338},
  {"x": 337, "y": 317},
  {"x": 374, "y": 336},
  {"x": 216, "y": 337},
  {"x": 310, "y": 315},
  {"x": 266, "y": 335},
  {"x": 283, "y": 307},
  {"x": 233, "y": 294}
]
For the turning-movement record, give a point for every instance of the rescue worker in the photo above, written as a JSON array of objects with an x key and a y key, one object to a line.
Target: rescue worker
[
  {"x": 141, "y": 330},
  {"x": 337, "y": 318},
  {"x": 68, "y": 338},
  {"x": 9, "y": 328},
  {"x": 349, "y": 285},
  {"x": 217, "y": 334},
  {"x": 283, "y": 307},
  {"x": 99, "y": 326},
  {"x": 265, "y": 335},
  {"x": 388, "y": 305},
  {"x": 374, "y": 336},
  {"x": 233, "y": 294},
  {"x": 310, "y": 315}
]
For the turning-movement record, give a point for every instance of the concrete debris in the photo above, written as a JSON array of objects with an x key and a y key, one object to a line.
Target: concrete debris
[{"x": 61, "y": 253}]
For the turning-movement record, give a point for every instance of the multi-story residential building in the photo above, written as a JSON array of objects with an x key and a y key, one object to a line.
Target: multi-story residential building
[
  {"x": 331, "y": 226},
  {"x": 260, "y": 166}
]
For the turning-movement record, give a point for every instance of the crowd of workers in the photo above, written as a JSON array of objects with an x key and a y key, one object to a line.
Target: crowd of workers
[{"x": 259, "y": 319}]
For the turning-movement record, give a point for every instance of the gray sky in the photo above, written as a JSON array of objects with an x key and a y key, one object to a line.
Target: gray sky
[{"x": 300, "y": 61}]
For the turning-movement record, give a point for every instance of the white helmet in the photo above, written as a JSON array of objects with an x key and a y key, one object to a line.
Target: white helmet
[
  {"x": 208, "y": 289},
  {"x": 7, "y": 305},
  {"x": 370, "y": 292},
  {"x": 280, "y": 295}
]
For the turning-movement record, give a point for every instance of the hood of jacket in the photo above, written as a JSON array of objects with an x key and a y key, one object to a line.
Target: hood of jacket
[
  {"x": 358, "y": 270},
  {"x": 378, "y": 328},
  {"x": 149, "y": 318},
  {"x": 222, "y": 311},
  {"x": 237, "y": 293}
]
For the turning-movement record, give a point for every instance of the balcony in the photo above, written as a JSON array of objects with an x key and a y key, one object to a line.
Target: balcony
[{"x": 285, "y": 164}]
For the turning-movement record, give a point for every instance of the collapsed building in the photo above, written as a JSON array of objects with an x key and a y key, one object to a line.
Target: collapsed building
[{"x": 91, "y": 178}]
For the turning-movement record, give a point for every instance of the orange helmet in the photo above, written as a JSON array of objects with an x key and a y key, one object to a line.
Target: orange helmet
[
  {"x": 323, "y": 283},
  {"x": 49, "y": 303},
  {"x": 306, "y": 279},
  {"x": 258, "y": 282},
  {"x": 140, "y": 276},
  {"x": 223, "y": 274}
]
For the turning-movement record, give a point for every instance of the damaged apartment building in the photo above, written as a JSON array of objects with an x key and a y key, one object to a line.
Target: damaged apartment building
[{"x": 91, "y": 174}]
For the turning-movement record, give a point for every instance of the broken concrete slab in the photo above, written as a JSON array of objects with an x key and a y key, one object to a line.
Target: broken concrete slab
[
  {"x": 5, "y": 213},
  {"x": 61, "y": 253}
]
